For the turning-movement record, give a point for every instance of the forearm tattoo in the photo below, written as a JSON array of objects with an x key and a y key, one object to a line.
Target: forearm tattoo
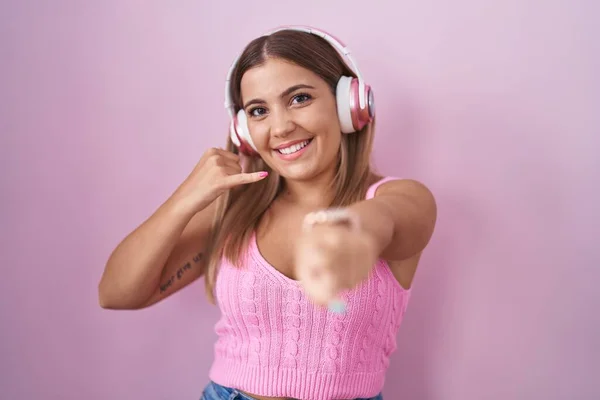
[{"x": 181, "y": 271}]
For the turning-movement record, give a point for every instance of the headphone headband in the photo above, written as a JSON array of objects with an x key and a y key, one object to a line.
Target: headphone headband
[{"x": 337, "y": 44}]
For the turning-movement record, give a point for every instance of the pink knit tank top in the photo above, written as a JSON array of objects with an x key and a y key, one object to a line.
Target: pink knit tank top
[{"x": 273, "y": 342}]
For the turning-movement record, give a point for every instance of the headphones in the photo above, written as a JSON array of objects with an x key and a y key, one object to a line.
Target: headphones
[{"x": 354, "y": 99}]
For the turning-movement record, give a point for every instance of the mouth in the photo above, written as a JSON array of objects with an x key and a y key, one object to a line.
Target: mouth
[{"x": 294, "y": 150}]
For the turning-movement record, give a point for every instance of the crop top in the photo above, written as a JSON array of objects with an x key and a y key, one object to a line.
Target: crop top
[{"x": 272, "y": 341}]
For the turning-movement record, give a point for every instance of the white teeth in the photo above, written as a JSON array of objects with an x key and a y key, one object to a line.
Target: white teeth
[{"x": 293, "y": 148}]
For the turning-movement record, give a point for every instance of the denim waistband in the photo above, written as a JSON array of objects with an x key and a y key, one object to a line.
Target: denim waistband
[{"x": 214, "y": 391}]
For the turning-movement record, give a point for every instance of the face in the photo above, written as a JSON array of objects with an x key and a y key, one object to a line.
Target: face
[{"x": 292, "y": 118}]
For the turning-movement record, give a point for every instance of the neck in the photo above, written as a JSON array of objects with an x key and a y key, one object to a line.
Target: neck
[{"x": 317, "y": 192}]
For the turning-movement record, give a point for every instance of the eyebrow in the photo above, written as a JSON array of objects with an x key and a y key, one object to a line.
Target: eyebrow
[{"x": 286, "y": 92}]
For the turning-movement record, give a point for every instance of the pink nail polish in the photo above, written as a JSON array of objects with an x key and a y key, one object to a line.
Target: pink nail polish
[{"x": 263, "y": 174}]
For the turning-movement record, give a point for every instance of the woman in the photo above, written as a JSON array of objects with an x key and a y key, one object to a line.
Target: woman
[{"x": 305, "y": 225}]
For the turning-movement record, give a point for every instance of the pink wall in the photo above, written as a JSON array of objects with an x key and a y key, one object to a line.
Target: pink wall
[{"x": 105, "y": 106}]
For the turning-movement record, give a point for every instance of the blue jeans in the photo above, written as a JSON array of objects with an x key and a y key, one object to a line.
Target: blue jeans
[{"x": 214, "y": 391}]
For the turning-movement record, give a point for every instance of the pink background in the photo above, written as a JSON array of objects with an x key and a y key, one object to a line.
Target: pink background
[{"x": 105, "y": 107}]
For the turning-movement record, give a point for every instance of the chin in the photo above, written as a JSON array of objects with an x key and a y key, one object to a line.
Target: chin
[
  {"x": 298, "y": 173},
  {"x": 306, "y": 171}
]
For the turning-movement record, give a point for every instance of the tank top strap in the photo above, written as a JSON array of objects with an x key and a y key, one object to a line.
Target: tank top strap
[{"x": 373, "y": 188}]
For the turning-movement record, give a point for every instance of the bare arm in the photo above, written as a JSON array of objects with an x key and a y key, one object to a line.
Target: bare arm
[
  {"x": 401, "y": 218},
  {"x": 165, "y": 253},
  {"x": 161, "y": 256},
  {"x": 395, "y": 225}
]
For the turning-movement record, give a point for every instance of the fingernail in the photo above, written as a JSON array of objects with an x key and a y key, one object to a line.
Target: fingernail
[
  {"x": 263, "y": 174},
  {"x": 337, "y": 306}
]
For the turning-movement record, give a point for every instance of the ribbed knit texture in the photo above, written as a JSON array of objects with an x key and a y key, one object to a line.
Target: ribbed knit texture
[{"x": 272, "y": 341}]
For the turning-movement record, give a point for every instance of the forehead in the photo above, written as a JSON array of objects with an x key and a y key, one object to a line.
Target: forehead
[{"x": 274, "y": 76}]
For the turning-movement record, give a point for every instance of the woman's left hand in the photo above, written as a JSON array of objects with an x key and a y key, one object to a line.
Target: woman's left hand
[{"x": 331, "y": 257}]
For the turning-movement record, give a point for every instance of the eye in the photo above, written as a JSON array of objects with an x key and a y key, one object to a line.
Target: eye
[
  {"x": 257, "y": 112},
  {"x": 301, "y": 98}
]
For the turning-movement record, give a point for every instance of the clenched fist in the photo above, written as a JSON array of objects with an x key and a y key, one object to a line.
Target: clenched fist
[{"x": 333, "y": 256}]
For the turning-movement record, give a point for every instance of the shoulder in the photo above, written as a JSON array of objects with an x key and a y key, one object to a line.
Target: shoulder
[{"x": 396, "y": 186}]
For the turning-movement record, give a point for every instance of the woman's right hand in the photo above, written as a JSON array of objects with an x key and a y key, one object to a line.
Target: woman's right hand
[
  {"x": 154, "y": 260},
  {"x": 217, "y": 171}
]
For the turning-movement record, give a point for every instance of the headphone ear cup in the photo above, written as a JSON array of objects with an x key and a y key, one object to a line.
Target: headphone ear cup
[
  {"x": 352, "y": 117},
  {"x": 361, "y": 116},
  {"x": 241, "y": 126},
  {"x": 233, "y": 135},
  {"x": 343, "y": 100}
]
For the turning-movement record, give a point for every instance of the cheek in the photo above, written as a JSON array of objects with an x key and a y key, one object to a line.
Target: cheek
[
  {"x": 331, "y": 131},
  {"x": 332, "y": 143},
  {"x": 320, "y": 121},
  {"x": 259, "y": 132}
]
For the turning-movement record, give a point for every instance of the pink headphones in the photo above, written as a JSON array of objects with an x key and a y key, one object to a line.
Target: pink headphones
[{"x": 355, "y": 103}]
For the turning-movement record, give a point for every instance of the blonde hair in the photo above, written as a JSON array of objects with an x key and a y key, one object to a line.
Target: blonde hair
[{"x": 239, "y": 211}]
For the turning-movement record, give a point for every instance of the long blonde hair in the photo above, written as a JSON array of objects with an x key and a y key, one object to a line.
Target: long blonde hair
[{"x": 239, "y": 211}]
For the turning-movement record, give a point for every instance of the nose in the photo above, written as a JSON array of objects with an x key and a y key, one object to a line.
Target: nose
[{"x": 281, "y": 123}]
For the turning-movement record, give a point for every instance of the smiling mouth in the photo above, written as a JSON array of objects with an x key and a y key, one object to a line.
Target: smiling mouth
[{"x": 294, "y": 148}]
